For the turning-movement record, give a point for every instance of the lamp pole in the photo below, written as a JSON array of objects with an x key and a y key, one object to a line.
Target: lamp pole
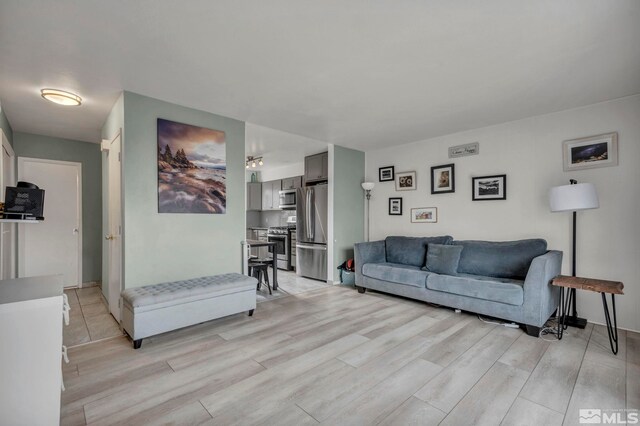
[{"x": 574, "y": 320}]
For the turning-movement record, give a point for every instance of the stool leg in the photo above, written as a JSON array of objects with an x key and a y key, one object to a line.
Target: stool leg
[
  {"x": 266, "y": 279},
  {"x": 611, "y": 331}
]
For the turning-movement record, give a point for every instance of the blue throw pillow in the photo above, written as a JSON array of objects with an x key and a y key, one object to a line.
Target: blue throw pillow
[{"x": 443, "y": 259}]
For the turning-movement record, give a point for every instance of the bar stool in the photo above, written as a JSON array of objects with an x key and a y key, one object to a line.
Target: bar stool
[{"x": 258, "y": 269}]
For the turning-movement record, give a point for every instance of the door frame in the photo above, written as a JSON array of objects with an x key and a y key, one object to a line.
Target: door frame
[
  {"x": 21, "y": 253},
  {"x": 7, "y": 146},
  {"x": 106, "y": 146}
]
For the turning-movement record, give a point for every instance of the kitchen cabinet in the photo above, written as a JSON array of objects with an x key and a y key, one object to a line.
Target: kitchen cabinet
[
  {"x": 292, "y": 182},
  {"x": 316, "y": 167},
  {"x": 271, "y": 194},
  {"x": 254, "y": 196}
]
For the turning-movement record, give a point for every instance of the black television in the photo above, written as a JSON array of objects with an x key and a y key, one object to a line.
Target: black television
[{"x": 25, "y": 201}]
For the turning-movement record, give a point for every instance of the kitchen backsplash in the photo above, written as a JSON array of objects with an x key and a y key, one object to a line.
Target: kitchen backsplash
[{"x": 268, "y": 218}]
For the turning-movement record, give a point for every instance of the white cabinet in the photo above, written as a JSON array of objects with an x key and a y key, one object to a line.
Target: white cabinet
[{"x": 31, "y": 351}]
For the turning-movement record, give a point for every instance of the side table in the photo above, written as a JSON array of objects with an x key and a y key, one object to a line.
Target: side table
[{"x": 600, "y": 286}]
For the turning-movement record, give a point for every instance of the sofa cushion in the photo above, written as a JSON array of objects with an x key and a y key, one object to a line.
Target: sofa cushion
[
  {"x": 504, "y": 259},
  {"x": 411, "y": 250},
  {"x": 396, "y": 273},
  {"x": 503, "y": 290},
  {"x": 443, "y": 259}
]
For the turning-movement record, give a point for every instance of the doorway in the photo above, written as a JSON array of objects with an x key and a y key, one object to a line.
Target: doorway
[
  {"x": 7, "y": 230},
  {"x": 53, "y": 246},
  {"x": 114, "y": 223}
]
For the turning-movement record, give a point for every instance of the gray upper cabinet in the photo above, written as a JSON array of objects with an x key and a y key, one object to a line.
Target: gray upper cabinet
[
  {"x": 316, "y": 167},
  {"x": 254, "y": 196},
  {"x": 271, "y": 195},
  {"x": 292, "y": 182}
]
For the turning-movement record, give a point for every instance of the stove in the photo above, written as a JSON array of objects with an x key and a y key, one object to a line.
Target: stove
[{"x": 281, "y": 235}]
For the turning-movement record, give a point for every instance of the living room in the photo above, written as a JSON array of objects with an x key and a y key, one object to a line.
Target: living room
[{"x": 478, "y": 158}]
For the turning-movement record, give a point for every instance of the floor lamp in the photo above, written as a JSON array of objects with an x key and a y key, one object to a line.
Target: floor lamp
[
  {"x": 367, "y": 186},
  {"x": 573, "y": 198}
]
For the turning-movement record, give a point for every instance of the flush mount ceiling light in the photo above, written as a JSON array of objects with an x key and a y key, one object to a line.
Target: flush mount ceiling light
[{"x": 61, "y": 97}]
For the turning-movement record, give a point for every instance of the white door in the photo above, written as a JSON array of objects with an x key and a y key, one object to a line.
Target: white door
[
  {"x": 114, "y": 235},
  {"x": 7, "y": 230},
  {"x": 53, "y": 246}
]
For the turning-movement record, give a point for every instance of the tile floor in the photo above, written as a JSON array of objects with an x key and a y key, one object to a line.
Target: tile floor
[{"x": 90, "y": 319}]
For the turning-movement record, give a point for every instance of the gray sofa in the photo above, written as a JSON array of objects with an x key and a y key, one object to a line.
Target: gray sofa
[{"x": 508, "y": 280}]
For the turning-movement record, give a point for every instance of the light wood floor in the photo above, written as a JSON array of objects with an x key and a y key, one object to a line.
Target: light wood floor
[{"x": 335, "y": 357}]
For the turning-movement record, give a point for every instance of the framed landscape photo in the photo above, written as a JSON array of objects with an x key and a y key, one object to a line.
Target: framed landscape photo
[
  {"x": 590, "y": 152},
  {"x": 395, "y": 206},
  {"x": 386, "y": 174},
  {"x": 489, "y": 188},
  {"x": 424, "y": 215},
  {"x": 406, "y": 181},
  {"x": 443, "y": 179}
]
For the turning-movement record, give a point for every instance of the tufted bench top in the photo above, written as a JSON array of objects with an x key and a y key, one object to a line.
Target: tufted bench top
[{"x": 178, "y": 292}]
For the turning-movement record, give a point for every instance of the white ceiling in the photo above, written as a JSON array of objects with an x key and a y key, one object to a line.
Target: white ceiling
[
  {"x": 356, "y": 73},
  {"x": 277, "y": 148}
]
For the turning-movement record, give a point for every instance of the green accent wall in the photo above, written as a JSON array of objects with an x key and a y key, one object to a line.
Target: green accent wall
[
  {"x": 45, "y": 147},
  {"x": 348, "y": 204},
  {"x": 168, "y": 247},
  {"x": 5, "y": 126}
]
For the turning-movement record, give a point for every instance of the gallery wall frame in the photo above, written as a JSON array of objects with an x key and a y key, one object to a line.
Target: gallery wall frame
[
  {"x": 590, "y": 152},
  {"x": 489, "y": 188},
  {"x": 443, "y": 179}
]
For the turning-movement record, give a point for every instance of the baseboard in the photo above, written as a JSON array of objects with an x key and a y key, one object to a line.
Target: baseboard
[
  {"x": 90, "y": 284},
  {"x": 619, "y": 328}
]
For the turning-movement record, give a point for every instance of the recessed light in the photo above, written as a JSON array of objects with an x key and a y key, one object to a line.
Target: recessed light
[{"x": 61, "y": 97}]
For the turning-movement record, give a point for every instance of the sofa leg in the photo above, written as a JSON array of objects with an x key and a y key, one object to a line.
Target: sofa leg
[
  {"x": 137, "y": 344},
  {"x": 251, "y": 312},
  {"x": 532, "y": 330},
  {"x": 361, "y": 289}
]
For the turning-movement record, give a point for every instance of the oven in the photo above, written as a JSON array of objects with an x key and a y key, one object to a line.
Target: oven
[
  {"x": 282, "y": 249},
  {"x": 287, "y": 199}
]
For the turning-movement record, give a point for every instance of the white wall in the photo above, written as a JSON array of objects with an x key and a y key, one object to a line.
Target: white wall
[{"x": 529, "y": 152}]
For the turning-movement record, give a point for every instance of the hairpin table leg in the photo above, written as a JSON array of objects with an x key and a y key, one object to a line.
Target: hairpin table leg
[{"x": 611, "y": 331}]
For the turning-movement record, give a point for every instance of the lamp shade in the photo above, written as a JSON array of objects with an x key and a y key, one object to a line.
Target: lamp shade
[
  {"x": 581, "y": 196},
  {"x": 367, "y": 186}
]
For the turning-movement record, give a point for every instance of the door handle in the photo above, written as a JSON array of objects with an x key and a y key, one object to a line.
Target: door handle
[
  {"x": 109, "y": 237},
  {"x": 76, "y": 230},
  {"x": 311, "y": 247}
]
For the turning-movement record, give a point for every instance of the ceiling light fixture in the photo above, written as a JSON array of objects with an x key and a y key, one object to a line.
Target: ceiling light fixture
[
  {"x": 61, "y": 97},
  {"x": 251, "y": 162}
]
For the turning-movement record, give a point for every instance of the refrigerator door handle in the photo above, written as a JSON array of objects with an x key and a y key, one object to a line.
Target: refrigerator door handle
[
  {"x": 309, "y": 214},
  {"x": 311, "y": 247}
]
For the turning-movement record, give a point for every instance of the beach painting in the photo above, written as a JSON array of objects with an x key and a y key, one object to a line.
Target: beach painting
[{"x": 192, "y": 169}]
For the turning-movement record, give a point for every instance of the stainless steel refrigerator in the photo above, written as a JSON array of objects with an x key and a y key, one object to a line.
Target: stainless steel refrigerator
[{"x": 311, "y": 231}]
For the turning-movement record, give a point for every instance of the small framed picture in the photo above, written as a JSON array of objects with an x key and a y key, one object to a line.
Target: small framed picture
[
  {"x": 424, "y": 215},
  {"x": 443, "y": 179},
  {"x": 489, "y": 187},
  {"x": 395, "y": 206},
  {"x": 406, "y": 181},
  {"x": 591, "y": 152},
  {"x": 386, "y": 174}
]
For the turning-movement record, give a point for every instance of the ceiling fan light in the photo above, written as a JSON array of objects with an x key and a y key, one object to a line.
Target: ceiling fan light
[
  {"x": 261, "y": 163},
  {"x": 61, "y": 97},
  {"x": 253, "y": 164}
]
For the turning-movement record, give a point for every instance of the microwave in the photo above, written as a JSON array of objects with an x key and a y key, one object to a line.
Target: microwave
[{"x": 288, "y": 199}]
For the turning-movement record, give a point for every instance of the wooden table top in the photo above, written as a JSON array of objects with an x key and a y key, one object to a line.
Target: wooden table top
[
  {"x": 591, "y": 284},
  {"x": 256, "y": 243}
]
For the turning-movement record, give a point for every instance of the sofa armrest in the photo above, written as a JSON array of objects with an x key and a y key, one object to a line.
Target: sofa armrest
[
  {"x": 540, "y": 297},
  {"x": 371, "y": 252}
]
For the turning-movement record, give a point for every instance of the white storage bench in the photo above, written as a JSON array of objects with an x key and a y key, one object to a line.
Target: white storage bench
[{"x": 158, "y": 308}]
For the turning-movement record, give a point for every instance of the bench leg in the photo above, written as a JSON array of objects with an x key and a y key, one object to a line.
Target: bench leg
[
  {"x": 361, "y": 289},
  {"x": 251, "y": 312},
  {"x": 137, "y": 344}
]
